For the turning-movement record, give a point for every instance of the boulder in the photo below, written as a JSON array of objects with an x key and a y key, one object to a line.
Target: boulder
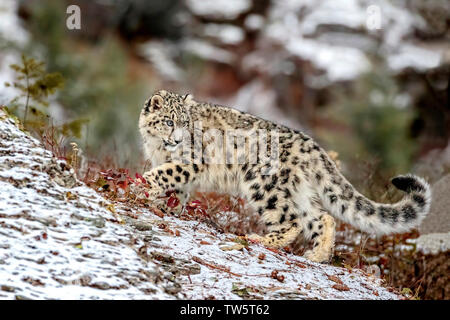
[{"x": 437, "y": 220}]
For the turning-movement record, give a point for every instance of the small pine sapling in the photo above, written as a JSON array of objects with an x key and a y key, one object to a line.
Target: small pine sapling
[{"x": 34, "y": 84}]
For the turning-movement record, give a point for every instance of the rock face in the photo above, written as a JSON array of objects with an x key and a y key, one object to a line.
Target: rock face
[
  {"x": 438, "y": 219},
  {"x": 60, "y": 239},
  {"x": 56, "y": 233}
]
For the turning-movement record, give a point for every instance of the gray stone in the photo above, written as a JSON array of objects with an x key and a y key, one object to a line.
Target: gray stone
[
  {"x": 433, "y": 243},
  {"x": 438, "y": 219}
]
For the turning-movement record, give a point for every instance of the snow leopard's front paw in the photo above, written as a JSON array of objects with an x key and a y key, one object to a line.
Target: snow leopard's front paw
[
  {"x": 170, "y": 205},
  {"x": 139, "y": 189},
  {"x": 144, "y": 192},
  {"x": 153, "y": 190}
]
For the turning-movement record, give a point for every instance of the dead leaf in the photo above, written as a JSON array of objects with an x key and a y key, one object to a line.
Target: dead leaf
[
  {"x": 274, "y": 274},
  {"x": 341, "y": 287},
  {"x": 335, "y": 279},
  {"x": 111, "y": 208},
  {"x": 273, "y": 250},
  {"x": 158, "y": 212}
]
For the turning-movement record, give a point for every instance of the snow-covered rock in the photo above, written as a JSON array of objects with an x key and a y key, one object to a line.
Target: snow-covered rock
[
  {"x": 433, "y": 243},
  {"x": 437, "y": 220},
  {"x": 221, "y": 9},
  {"x": 60, "y": 239},
  {"x": 339, "y": 37}
]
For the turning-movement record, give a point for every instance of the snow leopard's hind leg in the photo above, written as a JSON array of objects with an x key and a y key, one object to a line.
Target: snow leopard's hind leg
[
  {"x": 322, "y": 231},
  {"x": 282, "y": 223},
  {"x": 272, "y": 198},
  {"x": 289, "y": 208}
]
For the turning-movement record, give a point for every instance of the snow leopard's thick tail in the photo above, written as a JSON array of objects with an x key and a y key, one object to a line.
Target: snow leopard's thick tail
[{"x": 342, "y": 201}]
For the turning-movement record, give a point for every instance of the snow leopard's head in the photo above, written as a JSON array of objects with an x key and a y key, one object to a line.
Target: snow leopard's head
[{"x": 165, "y": 118}]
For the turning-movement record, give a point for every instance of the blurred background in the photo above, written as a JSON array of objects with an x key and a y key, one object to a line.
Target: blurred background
[{"x": 367, "y": 79}]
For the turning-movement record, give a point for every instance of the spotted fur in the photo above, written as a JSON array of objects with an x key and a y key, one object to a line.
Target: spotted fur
[{"x": 296, "y": 198}]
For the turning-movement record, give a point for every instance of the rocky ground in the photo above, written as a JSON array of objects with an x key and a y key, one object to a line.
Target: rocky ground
[{"x": 60, "y": 239}]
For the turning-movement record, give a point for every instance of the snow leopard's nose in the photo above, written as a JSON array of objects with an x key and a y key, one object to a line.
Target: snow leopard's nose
[{"x": 177, "y": 135}]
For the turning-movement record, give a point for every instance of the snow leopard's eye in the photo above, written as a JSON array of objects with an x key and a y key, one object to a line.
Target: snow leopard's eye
[{"x": 169, "y": 123}]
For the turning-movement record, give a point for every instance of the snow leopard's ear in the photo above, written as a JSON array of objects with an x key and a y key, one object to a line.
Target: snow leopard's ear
[
  {"x": 188, "y": 99},
  {"x": 155, "y": 103}
]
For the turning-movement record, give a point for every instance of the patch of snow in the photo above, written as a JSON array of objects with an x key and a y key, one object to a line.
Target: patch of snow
[
  {"x": 161, "y": 56},
  {"x": 254, "y": 21},
  {"x": 10, "y": 26},
  {"x": 222, "y": 9},
  {"x": 346, "y": 13},
  {"x": 7, "y": 75},
  {"x": 226, "y": 33},
  {"x": 207, "y": 51},
  {"x": 409, "y": 56},
  {"x": 302, "y": 279},
  {"x": 341, "y": 63}
]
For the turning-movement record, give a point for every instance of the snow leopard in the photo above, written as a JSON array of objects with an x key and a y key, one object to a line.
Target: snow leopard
[{"x": 194, "y": 145}]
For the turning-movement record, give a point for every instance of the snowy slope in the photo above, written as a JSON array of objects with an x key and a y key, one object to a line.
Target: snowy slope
[{"x": 60, "y": 239}]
